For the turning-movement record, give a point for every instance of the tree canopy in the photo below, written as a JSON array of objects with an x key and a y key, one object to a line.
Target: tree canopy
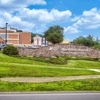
[
  {"x": 87, "y": 41},
  {"x": 54, "y": 34}
]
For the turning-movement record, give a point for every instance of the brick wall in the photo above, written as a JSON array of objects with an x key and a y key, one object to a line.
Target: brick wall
[
  {"x": 61, "y": 50},
  {"x": 13, "y": 36},
  {"x": 13, "y": 41},
  {"x": 25, "y": 38}
]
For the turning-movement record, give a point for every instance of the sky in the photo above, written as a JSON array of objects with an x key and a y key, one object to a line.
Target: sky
[{"x": 77, "y": 17}]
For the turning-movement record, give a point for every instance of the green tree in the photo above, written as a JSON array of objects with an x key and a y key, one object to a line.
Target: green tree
[
  {"x": 54, "y": 34},
  {"x": 87, "y": 41},
  {"x": 19, "y": 30},
  {"x": 97, "y": 46}
]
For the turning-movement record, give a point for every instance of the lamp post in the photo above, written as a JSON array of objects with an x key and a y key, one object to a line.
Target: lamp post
[
  {"x": 45, "y": 41},
  {"x": 6, "y": 34}
]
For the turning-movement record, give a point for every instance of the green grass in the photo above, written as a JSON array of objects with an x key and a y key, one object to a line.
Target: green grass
[
  {"x": 16, "y": 67},
  {"x": 77, "y": 85},
  {"x": 9, "y": 59},
  {"x": 83, "y": 64},
  {"x": 23, "y": 70}
]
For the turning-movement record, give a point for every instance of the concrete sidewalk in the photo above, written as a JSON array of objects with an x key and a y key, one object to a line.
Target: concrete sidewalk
[{"x": 47, "y": 79}]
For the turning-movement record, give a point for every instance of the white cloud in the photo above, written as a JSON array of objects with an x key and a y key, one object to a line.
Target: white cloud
[
  {"x": 26, "y": 2},
  {"x": 91, "y": 12},
  {"x": 88, "y": 20},
  {"x": 36, "y": 16},
  {"x": 44, "y": 16},
  {"x": 76, "y": 18},
  {"x": 15, "y": 5},
  {"x": 60, "y": 16},
  {"x": 18, "y": 15},
  {"x": 27, "y": 19},
  {"x": 14, "y": 21},
  {"x": 5, "y": 1},
  {"x": 71, "y": 30}
]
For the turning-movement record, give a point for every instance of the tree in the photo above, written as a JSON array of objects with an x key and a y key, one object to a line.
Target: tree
[
  {"x": 19, "y": 30},
  {"x": 87, "y": 41},
  {"x": 97, "y": 46},
  {"x": 54, "y": 34}
]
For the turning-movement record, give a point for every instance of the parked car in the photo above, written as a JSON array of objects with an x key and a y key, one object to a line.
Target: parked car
[
  {"x": 2, "y": 46},
  {"x": 32, "y": 47}
]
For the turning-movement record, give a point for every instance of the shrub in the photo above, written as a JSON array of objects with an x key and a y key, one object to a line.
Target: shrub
[
  {"x": 39, "y": 59},
  {"x": 53, "y": 57},
  {"x": 53, "y": 60},
  {"x": 96, "y": 59},
  {"x": 10, "y": 50},
  {"x": 96, "y": 47},
  {"x": 68, "y": 57},
  {"x": 60, "y": 60}
]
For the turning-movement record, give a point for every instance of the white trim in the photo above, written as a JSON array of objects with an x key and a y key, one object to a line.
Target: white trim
[
  {"x": 12, "y": 39},
  {"x": 13, "y": 33},
  {"x": 18, "y": 38}
]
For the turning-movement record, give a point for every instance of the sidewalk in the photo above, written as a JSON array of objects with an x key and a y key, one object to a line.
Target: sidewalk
[{"x": 47, "y": 79}]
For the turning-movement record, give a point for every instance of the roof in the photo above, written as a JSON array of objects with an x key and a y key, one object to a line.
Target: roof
[
  {"x": 37, "y": 36},
  {"x": 64, "y": 42},
  {"x": 8, "y": 31}
]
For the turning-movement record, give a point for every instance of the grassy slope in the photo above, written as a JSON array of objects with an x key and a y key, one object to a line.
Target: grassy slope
[
  {"x": 10, "y": 66},
  {"x": 83, "y": 64},
  {"x": 15, "y": 67}
]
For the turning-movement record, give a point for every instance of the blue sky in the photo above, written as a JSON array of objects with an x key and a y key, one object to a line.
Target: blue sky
[{"x": 77, "y": 17}]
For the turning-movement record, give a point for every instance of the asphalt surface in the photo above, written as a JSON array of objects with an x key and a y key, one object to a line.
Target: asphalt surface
[{"x": 50, "y": 96}]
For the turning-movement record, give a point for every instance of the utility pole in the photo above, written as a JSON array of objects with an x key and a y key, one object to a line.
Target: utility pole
[{"x": 6, "y": 34}]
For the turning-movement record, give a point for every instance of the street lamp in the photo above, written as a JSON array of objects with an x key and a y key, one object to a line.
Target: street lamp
[
  {"x": 6, "y": 34},
  {"x": 45, "y": 41}
]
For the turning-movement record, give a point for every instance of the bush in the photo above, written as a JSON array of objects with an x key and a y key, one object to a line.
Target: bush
[
  {"x": 96, "y": 47},
  {"x": 10, "y": 50},
  {"x": 53, "y": 60},
  {"x": 42, "y": 59},
  {"x": 73, "y": 58},
  {"x": 59, "y": 60}
]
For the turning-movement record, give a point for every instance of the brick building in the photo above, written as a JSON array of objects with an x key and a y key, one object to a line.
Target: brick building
[{"x": 15, "y": 38}]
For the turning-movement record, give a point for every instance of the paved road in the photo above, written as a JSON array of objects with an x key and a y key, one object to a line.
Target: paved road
[{"x": 50, "y": 96}]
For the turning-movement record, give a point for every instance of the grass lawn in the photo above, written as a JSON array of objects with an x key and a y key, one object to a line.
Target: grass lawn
[
  {"x": 11, "y": 70},
  {"x": 83, "y": 64},
  {"x": 77, "y": 85},
  {"x": 15, "y": 67}
]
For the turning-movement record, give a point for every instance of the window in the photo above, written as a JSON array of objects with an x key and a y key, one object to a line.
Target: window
[{"x": 3, "y": 36}]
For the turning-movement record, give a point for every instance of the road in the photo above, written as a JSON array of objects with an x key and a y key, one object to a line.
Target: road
[{"x": 50, "y": 96}]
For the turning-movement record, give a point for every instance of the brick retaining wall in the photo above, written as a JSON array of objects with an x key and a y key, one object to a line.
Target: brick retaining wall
[{"x": 61, "y": 50}]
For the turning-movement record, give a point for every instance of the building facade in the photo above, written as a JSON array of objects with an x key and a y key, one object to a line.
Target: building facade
[
  {"x": 15, "y": 38},
  {"x": 39, "y": 41}
]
